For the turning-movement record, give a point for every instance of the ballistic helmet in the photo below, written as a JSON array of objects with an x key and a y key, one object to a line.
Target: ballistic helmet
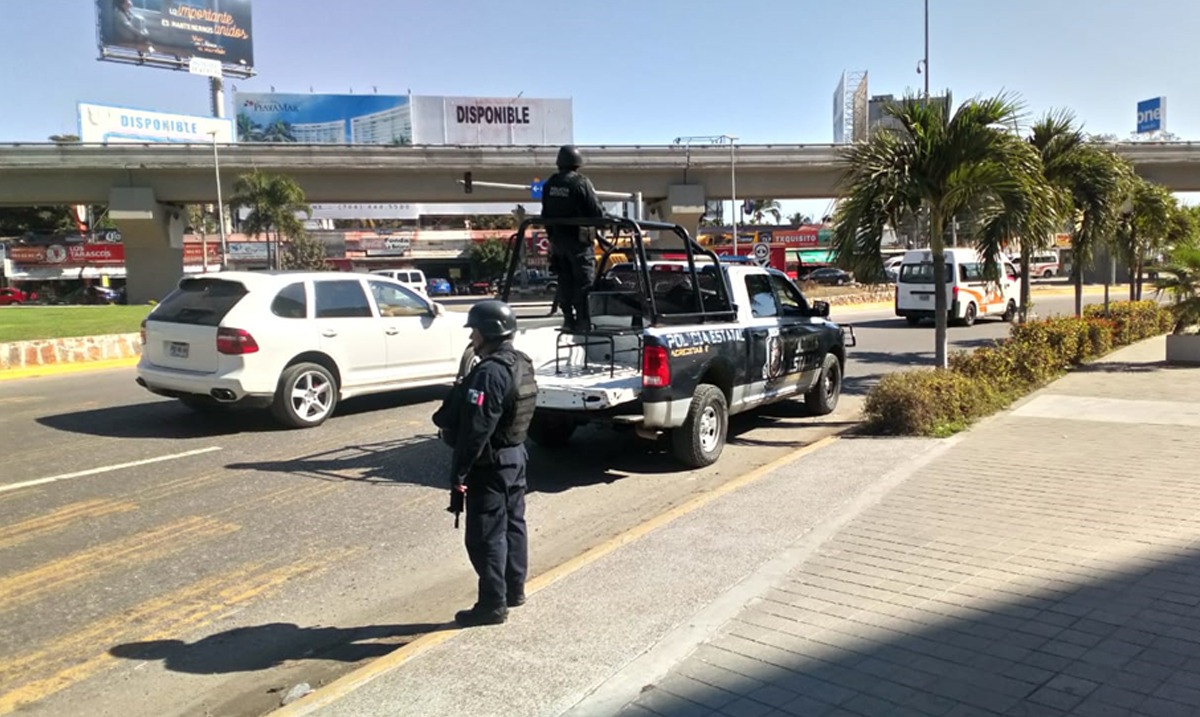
[
  {"x": 493, "y": 319},
  {"x": 569, "y": 157}
]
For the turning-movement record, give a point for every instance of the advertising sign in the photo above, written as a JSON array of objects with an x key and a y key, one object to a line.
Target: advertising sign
[
  {"x": 365, "y": 211},
  {"x": 802, "y": 237},
  {"x": 1152, "y": 115},
  {"x": 171, "y": 32},
  {"x": 68, "y": 254},
  {"x": 323, "y": 119},
  {"x": 475, "y": 121},
  {"x": 247, "y": 250},
  {"x": 193, "y": 252},
  {"x": 110, "y": 124},
  {"x": 397, "y": 244}
]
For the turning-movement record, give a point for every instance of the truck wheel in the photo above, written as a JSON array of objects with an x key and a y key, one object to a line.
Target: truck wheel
[
  {"x": 823, "y": 397},
  {"x": 699, "y": 441},
  {"x": 1010, "y": 312},
  {"x": 550, "y": 431},
  {"x": 305, "y": 397}
]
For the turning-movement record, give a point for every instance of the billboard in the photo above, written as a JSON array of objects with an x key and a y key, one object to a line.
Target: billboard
[
  {"x": 323, "y": 118},
  {"x": 507, "y": 121},
  {"x": 169, "y": 33},
  {"x": 112, "y": 124},
  {"x": 1152, "y": 115},
  {"x": 68, "y": 254}
]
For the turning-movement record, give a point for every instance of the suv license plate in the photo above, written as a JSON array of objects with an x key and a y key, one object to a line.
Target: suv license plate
[{"x": 177, "y": 349}]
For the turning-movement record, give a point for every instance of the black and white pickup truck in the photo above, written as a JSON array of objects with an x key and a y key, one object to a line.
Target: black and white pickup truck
[{"x": 679, "y": 341}]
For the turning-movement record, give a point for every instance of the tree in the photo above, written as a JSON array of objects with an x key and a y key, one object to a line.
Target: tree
[
  {"x": 942, "y": 165},
  {"x": 274, "y": 201},
  {"x": 304, "y": 252},
  {"x": 487, "y": 259},
  {"x": 799, "y": 219},
  {"x": 762, "y": 208},
  {"x": 1147, "y": 228},
  {"x": 1098, "y": 182}
]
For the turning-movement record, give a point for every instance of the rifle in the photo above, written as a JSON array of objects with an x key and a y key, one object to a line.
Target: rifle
[{"x": 457, "y": 500}]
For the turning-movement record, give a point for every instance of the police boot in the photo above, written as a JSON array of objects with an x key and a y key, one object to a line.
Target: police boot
[
  {"x": 516, "y": 598},
  {"x": 478, "y": 615}
]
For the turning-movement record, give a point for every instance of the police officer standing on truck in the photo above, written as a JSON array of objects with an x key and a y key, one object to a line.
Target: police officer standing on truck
[
  {"x": 569, "y": 194},
  {"x": 486, "y": 418}
]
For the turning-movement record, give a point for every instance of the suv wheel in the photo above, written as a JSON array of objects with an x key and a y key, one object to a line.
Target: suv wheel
[
  {"x": 699, "y": 441},
  {"x": 823, "y": 398},
  {"x": 306, "y": 396}
]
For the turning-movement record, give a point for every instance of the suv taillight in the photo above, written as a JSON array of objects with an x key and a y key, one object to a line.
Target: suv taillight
[
  {"x": 142, "y": 332},
  {"x": 656, "y": 372},
  {"x": 235, "y": 342}
]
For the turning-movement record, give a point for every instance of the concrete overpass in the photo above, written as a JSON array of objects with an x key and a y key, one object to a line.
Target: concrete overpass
[{"x": 146, "y": 185}]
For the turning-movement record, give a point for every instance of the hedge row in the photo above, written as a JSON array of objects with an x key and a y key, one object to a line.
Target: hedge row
[{"x": 940, "y": 402}]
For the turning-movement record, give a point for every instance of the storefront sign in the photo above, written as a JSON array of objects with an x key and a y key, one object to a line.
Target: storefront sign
[
  {"x": 69, "y": 254},
  {"x": 802, "y": 237}
]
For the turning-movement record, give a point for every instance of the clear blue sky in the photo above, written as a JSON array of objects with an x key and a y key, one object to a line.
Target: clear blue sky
[{"x": 645, "y": 71}]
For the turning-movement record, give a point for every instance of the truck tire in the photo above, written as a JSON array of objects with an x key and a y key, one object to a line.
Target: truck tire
[
  {"x": 306, "y": 395},
  {"x": 699, "y": 441},
  {"x": 551, "y": 431},
  {"x": 823, "y": 398}
]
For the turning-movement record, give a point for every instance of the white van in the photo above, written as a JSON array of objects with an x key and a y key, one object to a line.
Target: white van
[
  {"x": 1044, "y": 264},
  {"x": 968, "y": 294},
  {"x": 412, "y": 278}
]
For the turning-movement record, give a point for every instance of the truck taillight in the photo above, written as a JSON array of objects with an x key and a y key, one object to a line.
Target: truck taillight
[
  {"x": 235, "y": 342},
  {"x": 656, "y": 372}
]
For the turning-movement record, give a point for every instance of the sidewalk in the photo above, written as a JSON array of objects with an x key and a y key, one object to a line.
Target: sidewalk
[{"x": 1040, "y": 564}]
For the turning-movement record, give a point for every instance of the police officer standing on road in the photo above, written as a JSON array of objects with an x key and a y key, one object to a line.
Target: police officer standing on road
[
  {"x": 569, "y": 194},
  {"x": 486, "y": 419}
]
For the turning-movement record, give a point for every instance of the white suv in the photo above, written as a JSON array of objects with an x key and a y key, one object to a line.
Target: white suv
[{"x": 296, "y": 342}]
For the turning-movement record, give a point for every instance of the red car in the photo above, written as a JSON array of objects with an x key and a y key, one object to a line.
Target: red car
[{"x": 15, "y": 296}]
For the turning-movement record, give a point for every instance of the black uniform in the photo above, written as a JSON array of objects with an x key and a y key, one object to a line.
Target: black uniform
[
  {"x": 496, "y": 403},
  {"x": 569, "y": 194}
]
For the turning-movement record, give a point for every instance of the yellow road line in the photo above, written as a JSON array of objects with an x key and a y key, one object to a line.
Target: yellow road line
[
  {"x": 32, "y": 585},
  {"x": 166, "y": 617},
  {"x": 56, "y": 369},
  {"x": 346, "y": 684},
  {"x": 18, "y": 533}
]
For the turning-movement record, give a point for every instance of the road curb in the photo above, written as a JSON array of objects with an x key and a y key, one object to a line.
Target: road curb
[{"x": 57, "y": 369}]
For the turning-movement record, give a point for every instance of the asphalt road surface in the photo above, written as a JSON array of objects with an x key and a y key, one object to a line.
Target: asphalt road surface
[{"x": 158, "y": 562}]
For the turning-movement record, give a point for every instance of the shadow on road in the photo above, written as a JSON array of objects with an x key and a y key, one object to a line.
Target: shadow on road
[
  {"x": 172, "y": 420},
  {"x": 261, "y": 647}
]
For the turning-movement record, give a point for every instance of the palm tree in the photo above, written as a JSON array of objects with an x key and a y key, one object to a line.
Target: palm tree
[
  {"x": 938, "y": 164},
  {"x": 799, "y": 219},
  {"x": 761, "y": 208},
  {"x": 1098, "y": 181},
  {"x": 274, "y": 201},
  {"x": 1151, "y": 222}
]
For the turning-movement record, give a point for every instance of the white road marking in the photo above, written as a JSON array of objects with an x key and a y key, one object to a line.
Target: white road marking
[{"x": 106, "y": 469}]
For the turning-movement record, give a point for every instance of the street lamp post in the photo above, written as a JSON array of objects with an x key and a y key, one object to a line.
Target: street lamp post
[
  {"x": 733, "y": 190},
  {"x": 220, "y": 207}
]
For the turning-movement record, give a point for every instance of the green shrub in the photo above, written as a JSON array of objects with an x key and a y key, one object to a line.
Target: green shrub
[{"x": 928, "y": 402}]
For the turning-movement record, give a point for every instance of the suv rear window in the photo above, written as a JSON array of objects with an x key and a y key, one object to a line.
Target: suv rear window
[{"x": 203, "y": 302}]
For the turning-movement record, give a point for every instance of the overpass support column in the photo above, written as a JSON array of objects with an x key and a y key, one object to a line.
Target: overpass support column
[
  {"x": 153, "y": 236},
  {"x": 684, "y": 206}
]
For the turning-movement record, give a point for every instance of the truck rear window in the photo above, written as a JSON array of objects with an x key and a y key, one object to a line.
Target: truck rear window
[{"x": 203, "y": 302}]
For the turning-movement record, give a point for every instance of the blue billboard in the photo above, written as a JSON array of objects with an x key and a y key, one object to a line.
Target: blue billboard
[
  {"x": 323, "y": 119},
  {"x": 1152, "y": 115}
]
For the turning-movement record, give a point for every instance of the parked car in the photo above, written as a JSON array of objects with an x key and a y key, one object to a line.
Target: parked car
[
  {"x": 94, "y": 295},
  {"x": 829, "y": 276},
  {"x": 299, "y": 342},
  {"x": 438, "y": 286},
  {"x": 13, "y": 295}
]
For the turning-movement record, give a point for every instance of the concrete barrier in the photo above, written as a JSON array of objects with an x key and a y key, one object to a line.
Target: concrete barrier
[{"x": 78, "y": 349}]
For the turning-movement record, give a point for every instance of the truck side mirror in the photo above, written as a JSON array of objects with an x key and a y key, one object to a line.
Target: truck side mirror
[{"x": 820, "y": 308}]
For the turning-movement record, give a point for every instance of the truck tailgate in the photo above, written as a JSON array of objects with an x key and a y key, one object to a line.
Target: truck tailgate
[{"x": 578, "y": 388}]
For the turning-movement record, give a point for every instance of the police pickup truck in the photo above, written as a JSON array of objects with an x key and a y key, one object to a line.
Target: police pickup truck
[{"x": 676, "y": 344}]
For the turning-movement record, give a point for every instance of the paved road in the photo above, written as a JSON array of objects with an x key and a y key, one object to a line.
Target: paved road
[{"x": 177, "y": 564}]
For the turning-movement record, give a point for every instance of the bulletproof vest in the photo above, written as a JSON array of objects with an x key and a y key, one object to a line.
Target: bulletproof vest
[
  {"x": 560, "y": 198},
  {"x": 521, "y": 400}
]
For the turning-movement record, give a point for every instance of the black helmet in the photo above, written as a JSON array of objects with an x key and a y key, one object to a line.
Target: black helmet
[
  {"x": 493, "y": 319},
  {"x": 569, "y": 157}
]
